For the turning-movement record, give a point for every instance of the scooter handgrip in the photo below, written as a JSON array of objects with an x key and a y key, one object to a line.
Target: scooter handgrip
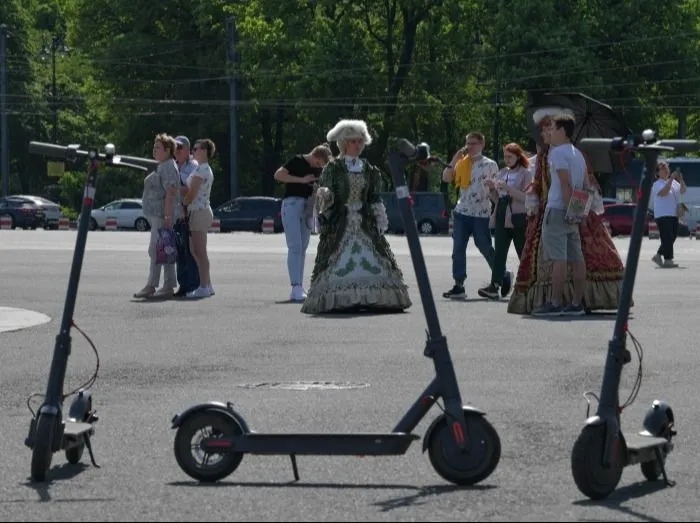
[
  {"x": 406, "y": 148},
  {"x": 596, "y": 144},
  {"x": 681, "y": 145},
  {"x": 48, "y": 149},
  {"x": 141, "y": 162}
]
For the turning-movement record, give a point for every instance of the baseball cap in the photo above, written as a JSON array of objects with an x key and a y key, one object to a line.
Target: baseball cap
[{"x": 183, "y": 140}]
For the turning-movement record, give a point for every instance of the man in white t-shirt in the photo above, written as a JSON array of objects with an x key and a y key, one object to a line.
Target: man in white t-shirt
[
  {"x": 561, "y": 241},
  {"x": 666, "y": 195}
]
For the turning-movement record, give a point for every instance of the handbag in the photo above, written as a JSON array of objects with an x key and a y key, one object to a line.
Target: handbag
[
  {"x": 681, "y": 208},
  {"x": 166, "y": 247}
]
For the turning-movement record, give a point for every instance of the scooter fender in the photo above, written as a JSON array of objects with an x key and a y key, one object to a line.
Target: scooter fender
[
  {"x": 594, "y": 421},
  {"x": 81, "y": 406},
  {"x": 468, "y": 411},
  {"x": 224, "y": 408}
]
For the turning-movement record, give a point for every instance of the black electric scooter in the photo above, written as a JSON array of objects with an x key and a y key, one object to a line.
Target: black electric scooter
[
  {"x": 602, "y": 451},
  {"x": 462, "y": 445},
  {"x": 49, "y": 431}
]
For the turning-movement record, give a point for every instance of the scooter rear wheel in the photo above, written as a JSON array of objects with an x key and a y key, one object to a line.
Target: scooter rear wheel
[
  {"x": 653, "y": 469},
  {"x": 42, "y": 451},
  {"x": 200, "y": 465},
  {"x": 471, "y": 465},
  {"x": 592, "y": 478},
  {"x": 74, "y": 454}
]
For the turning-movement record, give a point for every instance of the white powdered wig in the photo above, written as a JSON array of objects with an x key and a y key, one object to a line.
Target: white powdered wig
[
  {"x": 348, "y": 129},
  {"x": 544, "y": 112}
]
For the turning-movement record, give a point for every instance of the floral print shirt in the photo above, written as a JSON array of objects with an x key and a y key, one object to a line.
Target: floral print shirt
[{"x": 474, "y": 200}]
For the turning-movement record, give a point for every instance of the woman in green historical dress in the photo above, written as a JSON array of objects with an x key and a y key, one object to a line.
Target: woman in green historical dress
[{"x": 355, "y": 268}]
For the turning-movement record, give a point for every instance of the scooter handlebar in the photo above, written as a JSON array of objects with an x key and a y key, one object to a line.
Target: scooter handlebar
[
  {"x": 685, "y": 146},
  {"x": 48, "y": 149},
  {"x": 601, "y": 144},
  {"x": 617, "y": 144},
  {"x": 61, "y": 152}
]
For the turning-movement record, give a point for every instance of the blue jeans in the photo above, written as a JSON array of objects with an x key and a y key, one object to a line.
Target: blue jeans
[
  {"x": 464, "y": 227},
  {"x": 297, "y": 234}
]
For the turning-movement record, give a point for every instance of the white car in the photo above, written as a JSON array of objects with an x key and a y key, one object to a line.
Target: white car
[{"x": 128, "y": 212}]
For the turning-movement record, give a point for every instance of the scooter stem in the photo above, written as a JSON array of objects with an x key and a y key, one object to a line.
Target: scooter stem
[
  {"x": 618, "y": 355},
  {"x": 54, "y": 389}
]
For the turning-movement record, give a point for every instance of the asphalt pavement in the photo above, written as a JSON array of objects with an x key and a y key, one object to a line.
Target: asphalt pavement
[{"x": 243, "y": 345}]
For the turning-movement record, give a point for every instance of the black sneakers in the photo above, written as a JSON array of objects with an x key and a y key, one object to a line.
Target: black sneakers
[
  {"x": 507, "y": 284},
  {"x": 490, "y": 292},
  {"x": 455, "y": 293}
]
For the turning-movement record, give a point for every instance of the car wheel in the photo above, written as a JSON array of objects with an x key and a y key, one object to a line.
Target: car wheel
[
  {"x": 426, "y": 227},
  {"x": 141, "y": 224},
  {"x": 93, "y": 224}
]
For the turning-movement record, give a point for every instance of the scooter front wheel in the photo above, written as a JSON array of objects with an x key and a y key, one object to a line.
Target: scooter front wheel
[
  {"x": 193, "y": 460},
  {"x": 42, "y": 450},
  {"x": 472, "y": 464},
  {"x": 592, "y": 478}
]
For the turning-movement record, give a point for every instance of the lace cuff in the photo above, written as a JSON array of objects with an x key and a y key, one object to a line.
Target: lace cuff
[
  {"x": 380, "y": 215},
  {"x": 324, "y": 199}
]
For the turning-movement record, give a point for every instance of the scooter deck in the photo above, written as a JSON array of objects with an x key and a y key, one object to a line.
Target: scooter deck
[
  {"x": 640, "y": 442},
  {"x": 74, "y": 429},
  {"x": 641, "y": 448},
  {"x": 369, "y": 444}
]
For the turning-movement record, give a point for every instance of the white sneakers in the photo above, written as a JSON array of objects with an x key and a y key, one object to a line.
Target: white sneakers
[
  {"x": 298, "y": 293},
  {"x": 201, "y": 292}
]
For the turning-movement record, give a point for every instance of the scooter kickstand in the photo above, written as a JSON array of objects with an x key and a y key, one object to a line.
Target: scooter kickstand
[
  {"x": 92, "y": 455},
  {"x": 296, "y": 470},
  {"x": 668, "y": 482}
]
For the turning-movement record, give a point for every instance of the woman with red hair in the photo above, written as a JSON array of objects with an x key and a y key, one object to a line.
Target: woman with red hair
[
  {"x": 604, "y": 268},
  {"x": 508, "y": 217}
]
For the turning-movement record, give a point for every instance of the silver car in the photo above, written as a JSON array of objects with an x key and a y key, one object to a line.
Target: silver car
[{"x": 52, "y": 210}]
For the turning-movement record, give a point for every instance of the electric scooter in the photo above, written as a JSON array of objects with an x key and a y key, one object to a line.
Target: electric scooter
[
  {"x": 463, "y": 447},
  {"x": 602, "y": 451},
  {"x": 49, "y": 431}
]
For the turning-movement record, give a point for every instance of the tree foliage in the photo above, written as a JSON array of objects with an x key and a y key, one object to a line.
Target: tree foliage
[{"x": 425, "y": 69}]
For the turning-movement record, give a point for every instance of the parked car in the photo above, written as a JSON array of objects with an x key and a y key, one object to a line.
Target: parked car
[
  {"x": 246, "y": 213},
  {"x": 608, "y": 201},
  {"x": 692, "y": 217},
  {"x": 22, "y": 212},
  {"x": 52, "y": 210},
  {"x": 127, "y": 211},
  {"x": 621, "y": 215},
  {"x": 431, "y": 211}
]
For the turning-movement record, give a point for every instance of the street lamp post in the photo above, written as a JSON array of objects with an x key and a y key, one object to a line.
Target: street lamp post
[{"x": 57, "y": 46}]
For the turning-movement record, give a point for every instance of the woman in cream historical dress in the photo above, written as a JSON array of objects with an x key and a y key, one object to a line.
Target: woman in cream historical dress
[{"x": 355, "y": 268}]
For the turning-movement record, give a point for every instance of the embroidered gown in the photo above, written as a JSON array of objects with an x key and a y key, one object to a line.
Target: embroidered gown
[
  {"x": 604, "y": 267},
  {"x": 355, "y": 267}
]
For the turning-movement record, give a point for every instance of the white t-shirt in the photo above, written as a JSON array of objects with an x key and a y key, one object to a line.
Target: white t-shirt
[
  {"x": 201, "y": 201},
  {"x": 187, "y": 168},
  {"x": 666, "y": 205},
  {"x": 474, "y": 200},
  {"x": 564, "y": 157}
]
